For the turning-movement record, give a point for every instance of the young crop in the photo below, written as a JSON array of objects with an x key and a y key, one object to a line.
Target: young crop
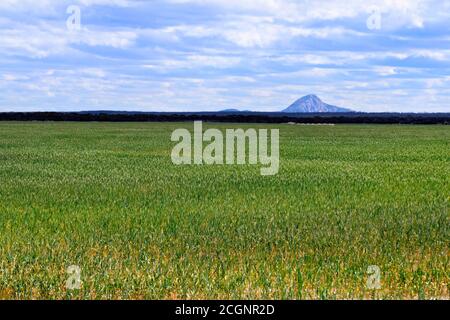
[{"x": 99, "y": 211}]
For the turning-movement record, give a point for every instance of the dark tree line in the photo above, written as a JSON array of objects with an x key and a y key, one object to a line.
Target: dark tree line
[{"x": 244, "y": 117}]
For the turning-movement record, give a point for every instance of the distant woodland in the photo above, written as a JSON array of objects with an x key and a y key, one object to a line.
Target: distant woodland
[{"x": 240, "y": 117}]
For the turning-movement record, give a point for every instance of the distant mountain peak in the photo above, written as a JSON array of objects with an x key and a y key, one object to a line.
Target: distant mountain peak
[
  {"x": 311, "y": 96},
  {"x": 230, "y": 110},
  {"x": 312, "y": 104},
  {"x": 233, "y": 111}
]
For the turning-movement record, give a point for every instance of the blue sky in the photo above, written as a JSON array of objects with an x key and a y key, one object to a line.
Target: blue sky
[{"x": 187, "y": 55}]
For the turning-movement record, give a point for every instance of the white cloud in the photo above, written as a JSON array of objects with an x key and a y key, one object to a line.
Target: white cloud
[
  {"x": 259, "y": 54},
  {"x": 13, "y": 77},
  {"x": 40, "y": 41},
  {"x": 395, "y": 12},
  {"x": 385, "y": 70},
  {"x": 48, "y": 6},
  {"x": 249, "y": 32},
  {"x": 193, "y": 62}
]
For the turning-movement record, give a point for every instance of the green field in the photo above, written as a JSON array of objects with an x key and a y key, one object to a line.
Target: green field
[{"x": 106, "y": 197}]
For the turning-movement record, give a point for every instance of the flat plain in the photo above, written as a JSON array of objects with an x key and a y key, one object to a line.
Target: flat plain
[{"x": 107, "y": 198}]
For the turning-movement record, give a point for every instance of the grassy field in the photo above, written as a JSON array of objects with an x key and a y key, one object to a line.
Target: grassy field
[{"x": 106, "y": 197}]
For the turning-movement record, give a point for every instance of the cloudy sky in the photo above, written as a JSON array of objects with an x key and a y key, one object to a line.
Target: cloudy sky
[{"x": 186, "y": 55}]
